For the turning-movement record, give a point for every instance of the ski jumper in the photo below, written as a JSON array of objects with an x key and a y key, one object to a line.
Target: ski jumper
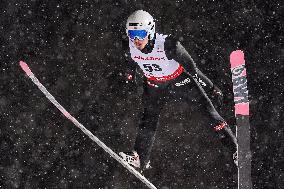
[{"x": 170, "y": 74}]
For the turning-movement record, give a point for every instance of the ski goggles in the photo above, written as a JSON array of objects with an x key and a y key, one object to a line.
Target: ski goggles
[{"x": 139, "y": 34}]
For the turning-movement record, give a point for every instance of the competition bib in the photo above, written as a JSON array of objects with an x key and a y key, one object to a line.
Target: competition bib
[{"x": 156, "y": 65}]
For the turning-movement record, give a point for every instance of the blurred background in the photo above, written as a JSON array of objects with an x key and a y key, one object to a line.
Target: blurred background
[{"x": 75, "y": 48}]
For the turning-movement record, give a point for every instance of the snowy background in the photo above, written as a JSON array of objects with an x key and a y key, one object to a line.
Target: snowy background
[{"x": 75, "y": 50}]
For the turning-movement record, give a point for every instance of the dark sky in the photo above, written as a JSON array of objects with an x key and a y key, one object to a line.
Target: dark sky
[{"x": 75, "y": 48}]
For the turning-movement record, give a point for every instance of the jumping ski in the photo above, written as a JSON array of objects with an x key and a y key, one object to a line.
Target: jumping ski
[
  {"x": 29, "y": 73},
  {"x": 239, "y": 79}
]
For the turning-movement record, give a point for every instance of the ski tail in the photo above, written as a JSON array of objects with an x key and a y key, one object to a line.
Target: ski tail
[
  {"x": 239, "y": 79},
  {"x": 29, "y": 73}
]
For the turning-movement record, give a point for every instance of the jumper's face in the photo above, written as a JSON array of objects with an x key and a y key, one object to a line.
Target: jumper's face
[
  {"x": 140, "y": 44},
  {"x": 139, "y": 38}
]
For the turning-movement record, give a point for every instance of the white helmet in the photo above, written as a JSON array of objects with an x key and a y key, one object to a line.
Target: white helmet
[{"x": 141, "y": 20}]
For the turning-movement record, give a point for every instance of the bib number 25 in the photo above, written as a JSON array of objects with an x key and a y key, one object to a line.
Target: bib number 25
[{"x": 152, "y": 67}]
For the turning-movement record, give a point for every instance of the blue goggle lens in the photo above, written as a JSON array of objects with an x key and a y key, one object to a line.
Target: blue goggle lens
[{"x": 139, "y": 34}]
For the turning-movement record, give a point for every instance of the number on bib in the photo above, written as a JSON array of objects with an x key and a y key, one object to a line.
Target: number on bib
[{"x": 152, "y": 67}]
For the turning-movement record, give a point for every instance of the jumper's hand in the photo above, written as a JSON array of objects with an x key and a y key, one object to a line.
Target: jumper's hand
[{"x": 217, "y": 95}]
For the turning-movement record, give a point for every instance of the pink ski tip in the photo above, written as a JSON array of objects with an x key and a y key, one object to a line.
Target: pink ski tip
[
  {"x": 26, "y": 68},
  {"x": 237, "y": 58}
]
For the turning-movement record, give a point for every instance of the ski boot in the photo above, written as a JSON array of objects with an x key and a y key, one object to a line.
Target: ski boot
[
  {"x": 228, "y": 139},
  {"x": 132, "y": 158}
]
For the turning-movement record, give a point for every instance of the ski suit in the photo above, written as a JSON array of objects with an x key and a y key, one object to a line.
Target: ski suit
[{"x": 171, "y": 74}]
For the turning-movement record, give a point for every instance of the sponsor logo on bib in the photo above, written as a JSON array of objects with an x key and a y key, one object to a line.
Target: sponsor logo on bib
[{"x": 148, "y": 58}]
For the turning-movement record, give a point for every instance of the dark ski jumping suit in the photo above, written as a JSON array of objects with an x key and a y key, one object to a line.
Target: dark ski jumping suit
[{"x": 170, "y": 73}]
